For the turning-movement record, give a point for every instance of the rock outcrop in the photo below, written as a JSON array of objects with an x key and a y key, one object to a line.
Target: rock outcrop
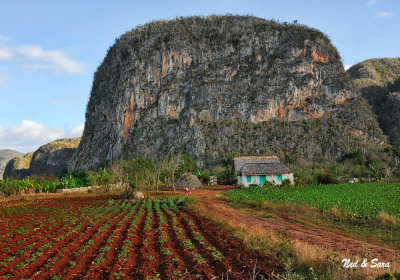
[
  {"x": 188, "y": 180},
  {"x": 5, "y": 156},
  {"x": 18, "y": 167},
  {"x": 53, "y": 158},
  {"x": 210, "y": 87},
  {"x": 49, "y": 159},
  {"x": 379, "y": 82}
]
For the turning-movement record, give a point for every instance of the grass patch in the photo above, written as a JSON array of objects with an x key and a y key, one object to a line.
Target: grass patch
[
  {"x": 300, "y": 260},
  {"x": 382, "y": 230}
]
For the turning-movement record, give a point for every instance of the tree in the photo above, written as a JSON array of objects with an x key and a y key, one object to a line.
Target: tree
[
  {"x": 377, "y": 173},
  {"x": 174, "y": 163},
  {"x": 139, "y": 171},
  {"x": 160, "y": 168}
]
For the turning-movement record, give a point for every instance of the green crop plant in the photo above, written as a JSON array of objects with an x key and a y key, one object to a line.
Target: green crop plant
[
  {"x": 146, "y": 241},
  {"x": 365, "y": 200},
  {"x": 11, "y": 186},
  {"x": 149, "y": 208},
  {"x": 166, "y": 252},
  {"x": 119, "y": 275},
  {"x": 163, "y": 237},
  {"x": 198, "y": 258},
  {"x": 215, "y": 253},
  {"x": 188, "y": 244}
]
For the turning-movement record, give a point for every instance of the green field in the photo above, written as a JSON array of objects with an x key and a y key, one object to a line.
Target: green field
[{"x": 359, "y": 200}]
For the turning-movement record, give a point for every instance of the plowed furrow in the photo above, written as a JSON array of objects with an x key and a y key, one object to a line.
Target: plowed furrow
[
  {"x": 226, "y": 265},
  {"x": 58, "y": 248},
  {"x": 183, "y": 261},
  {"x": 36, "y": 242},
  {"x": 201, "y": 269},
  {"x": 102, "y": 269},
  {"x": 134, "y": 260},
  {"x": 83, "y": 262},
  {"x": 66, "y": 256},
  {"x": 245, "y": 260},
  {"x": 34, "y": 236},
  {"x": 152, "y": 262}
]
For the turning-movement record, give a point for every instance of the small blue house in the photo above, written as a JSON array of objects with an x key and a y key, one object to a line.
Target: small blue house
[{"x": 255, "y": 170}]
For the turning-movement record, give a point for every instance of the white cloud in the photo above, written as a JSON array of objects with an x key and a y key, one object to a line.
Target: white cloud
[
  {"x": 55, "y": 61},
  {"x": 76, "y": 131},
  {"x": 6, "y": 54},
  {"x": 347, "y": 66},
  {"x": 36, "y": 58},
  {"x": 384, "y": 14},
  {"x": 28, "y": 135},
  {"x": 4, "y": 79}
]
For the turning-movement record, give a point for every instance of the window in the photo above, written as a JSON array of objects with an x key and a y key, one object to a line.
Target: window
[{"x": 248, "y": 178}]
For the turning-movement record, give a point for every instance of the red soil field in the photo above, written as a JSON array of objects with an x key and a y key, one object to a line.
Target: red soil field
[{"x": 98, "y": 238}]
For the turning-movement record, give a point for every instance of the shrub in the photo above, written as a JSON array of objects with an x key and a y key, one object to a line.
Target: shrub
[
  {"x": 386, "y": 276},
  {"x": 303, "y": 178},
  {"x": 286, "y": 183},
  {"x": 327, "y": 178},
  {"x": 268, "y": 184},
  {"x": 357, "y": 157}
]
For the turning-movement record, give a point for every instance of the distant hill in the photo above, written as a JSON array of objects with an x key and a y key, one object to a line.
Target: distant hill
[
  {"x": 379, "y": 82},
  {"x": 5, "y": 156},
  {"x": 51, "y": 159}
]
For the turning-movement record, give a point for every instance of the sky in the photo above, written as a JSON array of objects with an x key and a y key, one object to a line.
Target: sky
[{"x": 49, "y": 50}]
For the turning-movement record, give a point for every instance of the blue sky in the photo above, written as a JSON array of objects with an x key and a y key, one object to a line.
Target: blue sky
[{"x": 49, "y": 50}]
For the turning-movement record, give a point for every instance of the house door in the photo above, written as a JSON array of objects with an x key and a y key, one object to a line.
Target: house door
[
  {"x": 262, "y": 180},
  {"x": 279, "y": 177}
]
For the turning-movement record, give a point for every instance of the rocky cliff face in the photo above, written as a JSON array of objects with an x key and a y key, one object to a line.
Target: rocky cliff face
[
  {"x": 208, "y": 87},
  {"x": 49, "y": 159},
  {"x": 5, "y": 156},
  {"x": 379, "y": 82}
]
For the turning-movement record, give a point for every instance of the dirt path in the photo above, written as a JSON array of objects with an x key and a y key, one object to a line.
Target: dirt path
[{"x": 340, "y": 243}]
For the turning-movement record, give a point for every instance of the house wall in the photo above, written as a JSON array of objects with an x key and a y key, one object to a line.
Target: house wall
[{"x": 255, "y": 179}]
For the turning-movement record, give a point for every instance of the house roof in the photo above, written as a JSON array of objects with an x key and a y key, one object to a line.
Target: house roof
[
  {"x": 259, "y": 165},
  {"x": 264, "y": 168},
  {"x": 240, "y": 161}
]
